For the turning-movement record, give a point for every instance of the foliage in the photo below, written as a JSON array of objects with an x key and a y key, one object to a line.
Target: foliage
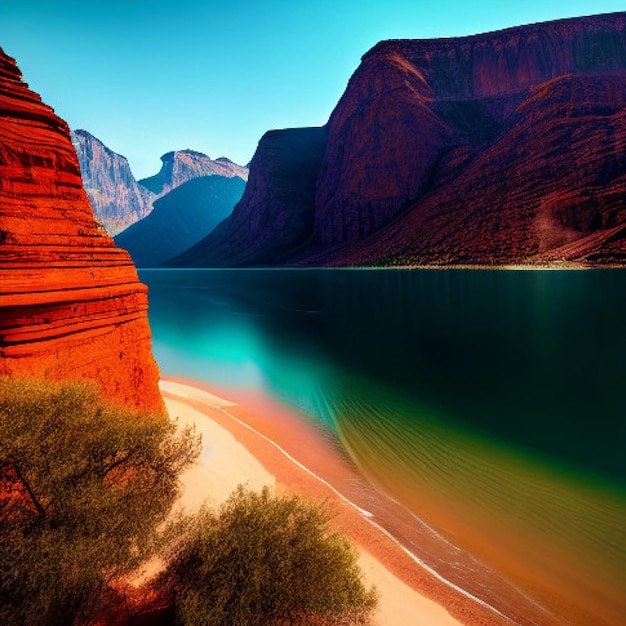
[
  {"x": 268, "y": 560},
  {"x": 83, "y": 488}
]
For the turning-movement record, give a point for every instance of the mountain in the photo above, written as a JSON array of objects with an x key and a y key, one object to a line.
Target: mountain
[
  {"x": 181, "y": 218},
  {"x": 117, "y": 199},
  {"x": 274, "y": 214},
  {"x": 501, "y": 148},
  {"x": 183, "y": 165},
  {"x": 71, "y": 305}
]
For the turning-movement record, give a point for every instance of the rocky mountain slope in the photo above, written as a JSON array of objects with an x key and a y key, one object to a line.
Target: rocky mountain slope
[
  {"x": 120, "y": 202},
  {"x": 274, "y": 216},
  {"x": 181, "y": 218},
  {"x": 71, "y": 306},
  {"x": 183, "y": 165},
  {"x": 505, "y": 147},
  {"x": 117, "y": 199}
]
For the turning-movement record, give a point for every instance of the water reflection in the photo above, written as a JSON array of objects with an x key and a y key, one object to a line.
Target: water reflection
[
  {"x": 495, "y": 397},
  {"x": 532, "y": 358}
]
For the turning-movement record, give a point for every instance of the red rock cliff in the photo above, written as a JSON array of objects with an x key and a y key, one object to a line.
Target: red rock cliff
[
  {"x": 551, "y": 187},
  {"x": 504, "y": 147},
  {"x": 417, "y": 114},
  {"x": 71, "y": 305}
]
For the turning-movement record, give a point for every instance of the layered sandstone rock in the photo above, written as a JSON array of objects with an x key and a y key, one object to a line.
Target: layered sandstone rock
[
  {"x": 183, "y": 165},
  {"x": 506, "y": 147},
  {"x": 485, "y": 149},
  {"x": 71, "y": 306},
  {"x": 117, "y": 199},
  {"x": 552, "y": 187}
]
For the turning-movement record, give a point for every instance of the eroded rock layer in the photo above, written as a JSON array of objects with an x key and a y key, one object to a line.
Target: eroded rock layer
[
  {"x": 550, "y": 188},
  {"x": 71, "y": 305},
  {"x": 501, "y": 148},
  {"x": 489, "y": 149}
]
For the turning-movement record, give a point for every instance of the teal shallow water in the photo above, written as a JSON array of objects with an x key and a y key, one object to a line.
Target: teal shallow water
[{"x": 499, "y": 394}]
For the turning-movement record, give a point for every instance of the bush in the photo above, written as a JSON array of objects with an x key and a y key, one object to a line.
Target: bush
[
  {"x": 268, "y": 560},
  {"x": 83, "y": 488}
]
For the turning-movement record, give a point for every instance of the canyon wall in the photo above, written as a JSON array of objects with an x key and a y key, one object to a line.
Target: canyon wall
[
  {"x": 274, "y": 218},
  {"x": 117, "y": 199},
  {"x": 501, "y": 148},
  {"x": 71, "y": 305},
  {"x": 551, "y": 188},
  {"x": 485, "y": 149}
]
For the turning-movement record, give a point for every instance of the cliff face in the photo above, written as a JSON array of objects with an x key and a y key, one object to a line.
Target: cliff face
[
  {"x": 117, "y": 200},
  {"x": 478, "y": 143},
  {"x": 71, "y": 306},
  {"x": 506, "y": 147},
  {"x": 181, "y": 218},
  {"x": 550, "y": 188},
  {"x": 183, "y": 165},
  {"x": 275, "y": 215}
]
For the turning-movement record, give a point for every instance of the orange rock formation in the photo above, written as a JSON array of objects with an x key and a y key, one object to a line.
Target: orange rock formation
[{"x": 71, "y": 305}]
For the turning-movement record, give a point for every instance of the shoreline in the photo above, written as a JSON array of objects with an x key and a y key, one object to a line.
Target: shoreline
[
  {"x": 296, "y": 457},
  {"x": 513, "y": 267}
]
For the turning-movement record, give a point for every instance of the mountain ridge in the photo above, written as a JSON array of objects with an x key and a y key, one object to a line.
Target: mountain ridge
[
  {"x": 423, "y": 124},
  {"x": 181, "y": 218},
  {"x": 116, "y": 197},
  {"x": 179, "y": 166}
]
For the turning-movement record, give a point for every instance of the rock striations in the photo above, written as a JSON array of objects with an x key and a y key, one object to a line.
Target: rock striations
[
  {"x": 505, "y": 147},
  {"x": 496, "y": 148},
  {"x": 71, "y": 306},
  {"x": 117, "y": 199}
]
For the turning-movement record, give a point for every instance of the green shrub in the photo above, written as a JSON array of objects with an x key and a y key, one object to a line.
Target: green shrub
[
  {"x": 268, "y": 560},
  {"x": 83, "y": 488}
]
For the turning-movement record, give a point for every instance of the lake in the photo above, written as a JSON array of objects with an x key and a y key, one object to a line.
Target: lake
[{"x": 496, "y": 397}]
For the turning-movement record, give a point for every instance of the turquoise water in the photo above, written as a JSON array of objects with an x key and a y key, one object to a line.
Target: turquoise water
[{"x": 498, "y": 394}]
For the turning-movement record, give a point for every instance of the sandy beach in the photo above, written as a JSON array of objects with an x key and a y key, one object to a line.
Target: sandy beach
[{"x": 252, "y": 440}]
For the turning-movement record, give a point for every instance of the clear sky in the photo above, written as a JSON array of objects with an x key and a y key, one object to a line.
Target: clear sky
[{"x": 147, "y": 77}]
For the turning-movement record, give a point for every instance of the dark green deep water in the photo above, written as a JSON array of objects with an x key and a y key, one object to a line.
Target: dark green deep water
[{"x": 506, "y": 388}]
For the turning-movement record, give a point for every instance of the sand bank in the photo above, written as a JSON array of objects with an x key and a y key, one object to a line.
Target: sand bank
[{"x": 255, "y": 441}]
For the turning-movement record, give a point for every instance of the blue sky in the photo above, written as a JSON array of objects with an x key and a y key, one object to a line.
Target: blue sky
[{"x": 149, "y": 77}]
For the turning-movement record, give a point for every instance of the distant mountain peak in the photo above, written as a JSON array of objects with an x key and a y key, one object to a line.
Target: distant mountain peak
[
  {"x": 117, "y": 200},
  {"x": 81, "y": 136},
  {"x": 179, "y": 166},
  {"x": 170, "y": 156}
]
